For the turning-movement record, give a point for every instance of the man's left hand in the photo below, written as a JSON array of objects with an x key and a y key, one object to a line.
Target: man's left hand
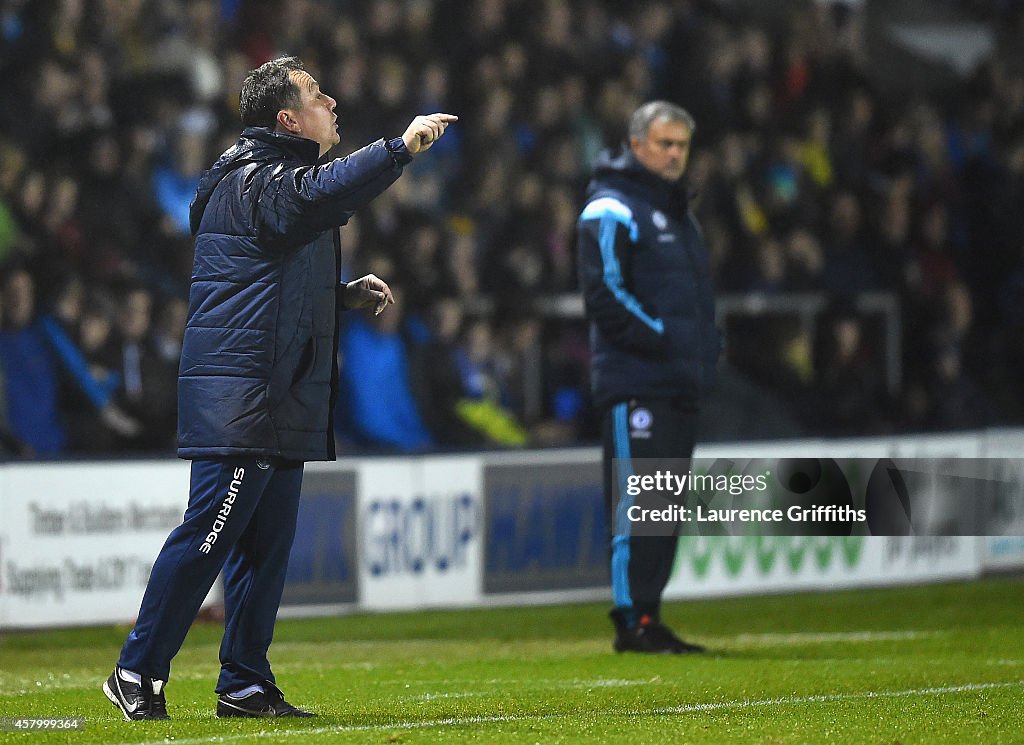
[{"x": 366, "y": 292}]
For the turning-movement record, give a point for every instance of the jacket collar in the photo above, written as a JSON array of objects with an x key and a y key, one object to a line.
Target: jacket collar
[
  {"x": 256, "y": 144},
  {"x": 306, "y": 150},
  {"x": 624, "y": 172}
]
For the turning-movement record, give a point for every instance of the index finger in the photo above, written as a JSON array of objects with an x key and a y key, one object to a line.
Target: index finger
[{"x": 444, "y": 117}]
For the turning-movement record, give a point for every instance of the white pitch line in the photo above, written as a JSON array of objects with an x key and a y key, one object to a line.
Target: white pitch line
[
  {"x": 805, "y": 637},
  {"x": 665, "y": 711},
  {"x": 29, "y": 685},
  {"x": 829, "y": 698},
  {"x": 446, "y": 695},
  {"x": 535, "y": 685}
]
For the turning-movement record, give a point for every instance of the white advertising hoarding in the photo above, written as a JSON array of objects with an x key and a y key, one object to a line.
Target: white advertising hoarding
[
  {"x": 731, "y": 565},
  {"x": 1006, "y": 552},
  {"x": 77, "y": 541},
  {"x": 419, "y": 532}
]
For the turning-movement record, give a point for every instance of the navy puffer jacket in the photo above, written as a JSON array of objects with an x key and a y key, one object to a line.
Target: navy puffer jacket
[
  {"x": 258, "y": 372},
  {"x": 646, "y": 282}
]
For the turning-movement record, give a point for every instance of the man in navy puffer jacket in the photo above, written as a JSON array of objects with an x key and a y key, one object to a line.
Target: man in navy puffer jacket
[
  {"x": 646, "y": 283},
  {"x": 258, "y": 378}
]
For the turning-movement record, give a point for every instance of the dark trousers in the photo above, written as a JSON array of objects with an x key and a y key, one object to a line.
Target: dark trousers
[
  {"x": 240, "y": 518},
  {"x": 642, "y": 436}
]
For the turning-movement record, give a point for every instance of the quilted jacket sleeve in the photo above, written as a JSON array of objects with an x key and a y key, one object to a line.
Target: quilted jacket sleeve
[{"x": 296, "y": 204}]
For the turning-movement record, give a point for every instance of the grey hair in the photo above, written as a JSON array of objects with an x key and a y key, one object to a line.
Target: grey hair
[{"x": 653, "y": 111}]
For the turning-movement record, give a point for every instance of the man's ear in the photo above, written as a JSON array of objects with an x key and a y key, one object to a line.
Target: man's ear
[{"x": 287, "y": 123}]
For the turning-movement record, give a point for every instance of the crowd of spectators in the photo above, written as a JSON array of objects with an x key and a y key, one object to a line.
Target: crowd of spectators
[{"x": 808, "y": 177}]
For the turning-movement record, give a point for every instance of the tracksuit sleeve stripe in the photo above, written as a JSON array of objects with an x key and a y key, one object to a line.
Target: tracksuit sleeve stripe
[
  {"x": 610, "y": 213},
  {"x": 621, "y": 594}
]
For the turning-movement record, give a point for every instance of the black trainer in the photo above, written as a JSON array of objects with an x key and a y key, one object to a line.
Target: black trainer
[
  {"x": 258, "y": 704},
  {"x": 136, "y": 701},
  {"x": 649, "y": 636}
]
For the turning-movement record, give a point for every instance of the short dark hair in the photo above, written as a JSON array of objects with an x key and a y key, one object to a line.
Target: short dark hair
[
  {"x": 268, "y": 89},
  {"x": 653, "y": 111}
]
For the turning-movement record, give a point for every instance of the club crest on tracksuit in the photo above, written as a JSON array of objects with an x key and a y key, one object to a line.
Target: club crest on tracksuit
[{"x": 640, "y": 421}]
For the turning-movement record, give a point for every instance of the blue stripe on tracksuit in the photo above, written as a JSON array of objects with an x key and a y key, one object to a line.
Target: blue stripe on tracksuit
[
  {"x": 620, "y": 538},
  {"x": 611, "y": 213}
]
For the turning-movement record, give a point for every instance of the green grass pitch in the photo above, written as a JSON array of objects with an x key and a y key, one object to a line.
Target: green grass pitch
[{"x": 925, "y": 664}]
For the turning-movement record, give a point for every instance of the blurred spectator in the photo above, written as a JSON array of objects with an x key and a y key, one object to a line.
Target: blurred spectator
[
  {"x": 29, "y": 369},
  {"x": 769, "y": 268},
  {"x": 175, "y": 182},
  {"x": 485, "y": 382},
  {"x": 148, "y": 393},
  {"x": 437, "y": 378},
  {"x": 956, "y": 401},
  {"x": 109, "y": 189},
  {"x": 847, "y": 269},
  {"x": 849, "y": 386},
  {"x": 169, "y": 330},
  {"x": 377, "y": 401},
  {"x": 87, "y": 390},
  {"x": 804, "y": 260},
  {"x": 9, "y": 442},
  {"x": 422, "y": 262}
]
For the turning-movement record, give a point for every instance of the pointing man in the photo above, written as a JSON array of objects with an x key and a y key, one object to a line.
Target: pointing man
[{"x": 258, "y": 377}]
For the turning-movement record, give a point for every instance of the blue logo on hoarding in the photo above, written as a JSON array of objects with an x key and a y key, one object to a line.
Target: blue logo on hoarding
[
  {"x": 542, "y": 534},
  {"x": 408, "y": 537},
  {"x": 540, "y": 527}
]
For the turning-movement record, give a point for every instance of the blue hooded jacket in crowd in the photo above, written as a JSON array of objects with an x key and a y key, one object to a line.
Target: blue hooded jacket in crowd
[
  {"x": 646, "y": 281},
  {"x": 259, "y": 369}
]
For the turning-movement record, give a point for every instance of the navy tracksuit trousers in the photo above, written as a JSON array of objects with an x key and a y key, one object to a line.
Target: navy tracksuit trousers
[
  {"x": 241, "y": 518},
  {"x": 641, "y": 437}
]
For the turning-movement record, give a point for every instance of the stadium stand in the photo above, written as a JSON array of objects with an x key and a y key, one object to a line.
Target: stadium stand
[{"x": 823, "y": 180}]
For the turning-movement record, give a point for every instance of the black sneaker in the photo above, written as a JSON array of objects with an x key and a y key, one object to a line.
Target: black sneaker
[
  {"x": 136, "y": 701},
  {"x": 649, "y": 636},
  {"x": 258, "y": 704}
]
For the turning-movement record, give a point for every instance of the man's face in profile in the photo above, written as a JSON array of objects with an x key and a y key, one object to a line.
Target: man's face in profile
[{"x": 315, "y": 115}]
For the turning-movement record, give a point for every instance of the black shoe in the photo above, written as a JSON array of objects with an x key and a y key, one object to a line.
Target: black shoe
[
  {"x": 649, "y": 636},
  {"x": 136, "y": 701},
  {"x": 258, "y": 704}
]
